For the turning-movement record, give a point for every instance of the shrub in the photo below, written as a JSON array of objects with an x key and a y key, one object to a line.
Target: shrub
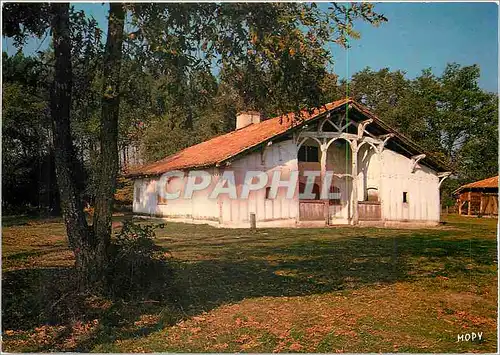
[{"x": 139, "y": 268}]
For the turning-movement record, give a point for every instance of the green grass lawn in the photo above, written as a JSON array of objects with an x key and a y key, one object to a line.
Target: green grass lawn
[{"x": 273, "y": 290}]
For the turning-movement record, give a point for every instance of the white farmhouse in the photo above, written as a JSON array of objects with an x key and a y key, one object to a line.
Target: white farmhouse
[{"x": 377, "y": 176}]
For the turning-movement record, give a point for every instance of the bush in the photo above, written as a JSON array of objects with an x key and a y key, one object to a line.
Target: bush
[{"x": 139, "y": 268}]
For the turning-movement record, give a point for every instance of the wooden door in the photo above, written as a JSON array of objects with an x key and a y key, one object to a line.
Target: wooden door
[
  {"x": 313, "y": 210},
  {"x": 369, "y": 211}
]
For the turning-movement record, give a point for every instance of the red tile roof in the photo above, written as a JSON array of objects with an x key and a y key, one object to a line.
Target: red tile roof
[
  {"x": 221, "y": 148},
  {"x": 491, "y": 182}
]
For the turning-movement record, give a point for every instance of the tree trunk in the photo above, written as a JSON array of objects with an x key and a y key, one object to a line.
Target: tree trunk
[
  {"x": 108, "y": 158},
  {"x": 77, "y": 229},
  {"x": 89, "y": 248}
]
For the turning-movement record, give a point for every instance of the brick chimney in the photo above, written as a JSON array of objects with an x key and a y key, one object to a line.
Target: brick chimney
[{"x": 247, "y": 118}]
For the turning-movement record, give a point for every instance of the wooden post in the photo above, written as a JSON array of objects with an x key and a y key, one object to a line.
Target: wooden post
[
  {"x": 253, "y": 223},
  {"x": 461, "y": 205},
  {"x": 380, "y": 182},
  {"x": 322, "y": 177},
  {"x": 469, "y": 206},
  {"x": 481, "y": 205},
  {"x": 354, "y": 172}
]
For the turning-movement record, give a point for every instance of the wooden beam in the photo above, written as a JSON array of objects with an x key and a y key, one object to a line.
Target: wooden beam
[
  {"x": 481, "y": 205},
  {"x": 328, "y": 135},
  {"x": 442, "y": 176},
  {"x": 347, "y": 136},
  {"x": 301, "y": 142},
  {"x": 324, "y": 152},
  {"x": 264, "y": 151},
  {"x": 414, "y": 161},
  {"x": 354, "y": 172},
  {"x": 324, "y": 121},
  {"x": 384, "y": 138},
  {"x": 460, "y": 206},
  {"x": 362, "y": 125}
]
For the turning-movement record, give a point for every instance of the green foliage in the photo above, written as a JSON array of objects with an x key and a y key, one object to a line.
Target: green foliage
[
  {"x": 139, "y": 267},
  {"x": 27, "y": 160},
  {"x": 274, "y": 54},
  {"x": 21, "y": 20},
  {"x": 165, "y": 136}
]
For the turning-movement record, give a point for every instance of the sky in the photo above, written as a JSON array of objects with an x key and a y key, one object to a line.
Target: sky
[
  {"x": 423, "y": 35},
  {"x": 417, "y": 36}
]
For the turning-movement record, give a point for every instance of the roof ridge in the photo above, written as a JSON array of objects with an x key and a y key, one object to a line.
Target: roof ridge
[{"x": 479, "y": 184}]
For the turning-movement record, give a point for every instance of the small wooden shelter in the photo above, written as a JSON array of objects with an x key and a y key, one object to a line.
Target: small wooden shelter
[{"x": 478, "y": 198}]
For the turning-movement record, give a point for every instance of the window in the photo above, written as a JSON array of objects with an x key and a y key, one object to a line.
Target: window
[
  {"x": 405, "y": 197},
  {"x": 308, "y": 154},
  {"x": 372, "y": 194},
  {"x": 315, "y": 190},
  {"x": 268, "y": 191}
]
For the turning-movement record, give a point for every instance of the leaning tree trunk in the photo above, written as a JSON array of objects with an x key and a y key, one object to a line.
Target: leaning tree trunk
[
  {"x": 108, "y": 158},
  {"x": 80, "y": 238}
]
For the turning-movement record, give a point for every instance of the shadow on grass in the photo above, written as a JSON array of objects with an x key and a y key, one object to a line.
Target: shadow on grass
[
  {"x": 33, "y": 297},
  {"x": 22, "y": 220},
  {"x": 314, "y": 267}
]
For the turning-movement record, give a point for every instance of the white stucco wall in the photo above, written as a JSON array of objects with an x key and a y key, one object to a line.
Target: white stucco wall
[
  {"x": 279, "y": 156},
  {"x": 198, "y": 207},
  {"x": 422, "y": 187},
  {"x": 224, "y": 210}
]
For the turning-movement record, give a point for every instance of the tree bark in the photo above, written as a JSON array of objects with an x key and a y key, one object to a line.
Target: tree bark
[
  {"x": 108, "y": 158},
  {"x": 90, "y": 245},
  {"x": 79, "y": 235}
]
